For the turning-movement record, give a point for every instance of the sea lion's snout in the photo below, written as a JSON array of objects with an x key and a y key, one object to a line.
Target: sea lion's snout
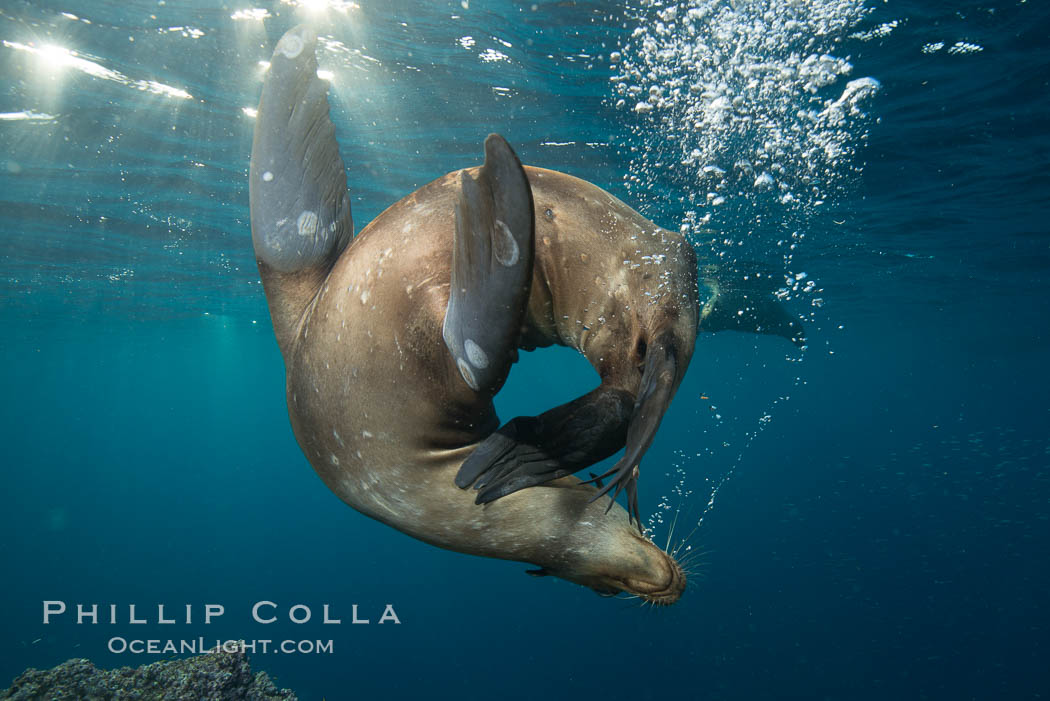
[
  {"x": 665, "y": 589},
  {"x": 629, "y": 563},
  {"x": 662, "y": 581}
]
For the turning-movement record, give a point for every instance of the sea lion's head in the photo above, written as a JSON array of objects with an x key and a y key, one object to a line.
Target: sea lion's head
[
  {"x": 602, "y": 551},
  {"x": 641, "y": 569}
]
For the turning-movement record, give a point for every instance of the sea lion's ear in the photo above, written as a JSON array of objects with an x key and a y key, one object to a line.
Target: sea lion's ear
[
  {"x": 491, "y": 268},
  {"x": 300, "y": 210}
]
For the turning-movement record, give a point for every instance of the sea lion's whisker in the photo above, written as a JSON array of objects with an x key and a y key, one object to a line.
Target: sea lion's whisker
[
  {"x": 674, "y": 522},
  {"x": 693, "y": 558}
]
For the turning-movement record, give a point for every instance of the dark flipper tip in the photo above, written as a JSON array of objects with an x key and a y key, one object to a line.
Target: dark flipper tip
[{"x": 624, "y": 477}]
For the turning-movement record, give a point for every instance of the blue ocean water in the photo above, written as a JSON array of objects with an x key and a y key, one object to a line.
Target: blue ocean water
[{"x": 873, "y": 510}]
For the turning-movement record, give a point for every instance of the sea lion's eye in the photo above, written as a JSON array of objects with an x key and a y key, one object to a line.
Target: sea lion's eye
[{"x": 549, "y": 213}]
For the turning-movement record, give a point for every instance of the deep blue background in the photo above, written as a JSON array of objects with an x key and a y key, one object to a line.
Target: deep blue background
[{"x": 886, "y": 534}]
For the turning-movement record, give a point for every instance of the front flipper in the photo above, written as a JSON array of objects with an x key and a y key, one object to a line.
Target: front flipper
[
  {"x": 660, "y": 379},
  {"x": 531, "y": 450},
  {"x": 491, "y": 268}
]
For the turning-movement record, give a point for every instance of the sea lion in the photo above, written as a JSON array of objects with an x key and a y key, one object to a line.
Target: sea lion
[{"x": 396, "y": 341}]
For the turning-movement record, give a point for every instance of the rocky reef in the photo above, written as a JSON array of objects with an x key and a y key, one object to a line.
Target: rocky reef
[{"x": 222, "y": 676}]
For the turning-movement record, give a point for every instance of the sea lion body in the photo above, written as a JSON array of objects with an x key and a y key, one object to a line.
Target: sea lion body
[
  {"x": 380, "y": 409},
  {"x": 395, "y": 342}
]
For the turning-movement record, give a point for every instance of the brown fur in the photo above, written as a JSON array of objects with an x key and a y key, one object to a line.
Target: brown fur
[{"x": 383, "y": 415}]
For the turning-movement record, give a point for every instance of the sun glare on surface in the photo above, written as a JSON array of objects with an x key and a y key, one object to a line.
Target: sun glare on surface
[
  {"x": 254, "y": 13},
  {"x": 53, "y": 61},
  {"x": 55, "y": 57},
  {"x": 313, "y": 7}
]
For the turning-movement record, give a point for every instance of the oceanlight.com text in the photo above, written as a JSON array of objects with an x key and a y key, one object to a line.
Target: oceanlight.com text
[{"x": 194, "y": 646}]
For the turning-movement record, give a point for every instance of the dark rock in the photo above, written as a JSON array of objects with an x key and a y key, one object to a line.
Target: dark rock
[{"x": 222, "y": 676}]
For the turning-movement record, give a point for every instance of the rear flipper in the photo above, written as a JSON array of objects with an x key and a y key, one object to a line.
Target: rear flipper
[
  {"x": 491, "y": 268},
  {"x": 531, "y": 450},
  {"x": 300, "y": 210},
  {"x": 745, "y": 301}
]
